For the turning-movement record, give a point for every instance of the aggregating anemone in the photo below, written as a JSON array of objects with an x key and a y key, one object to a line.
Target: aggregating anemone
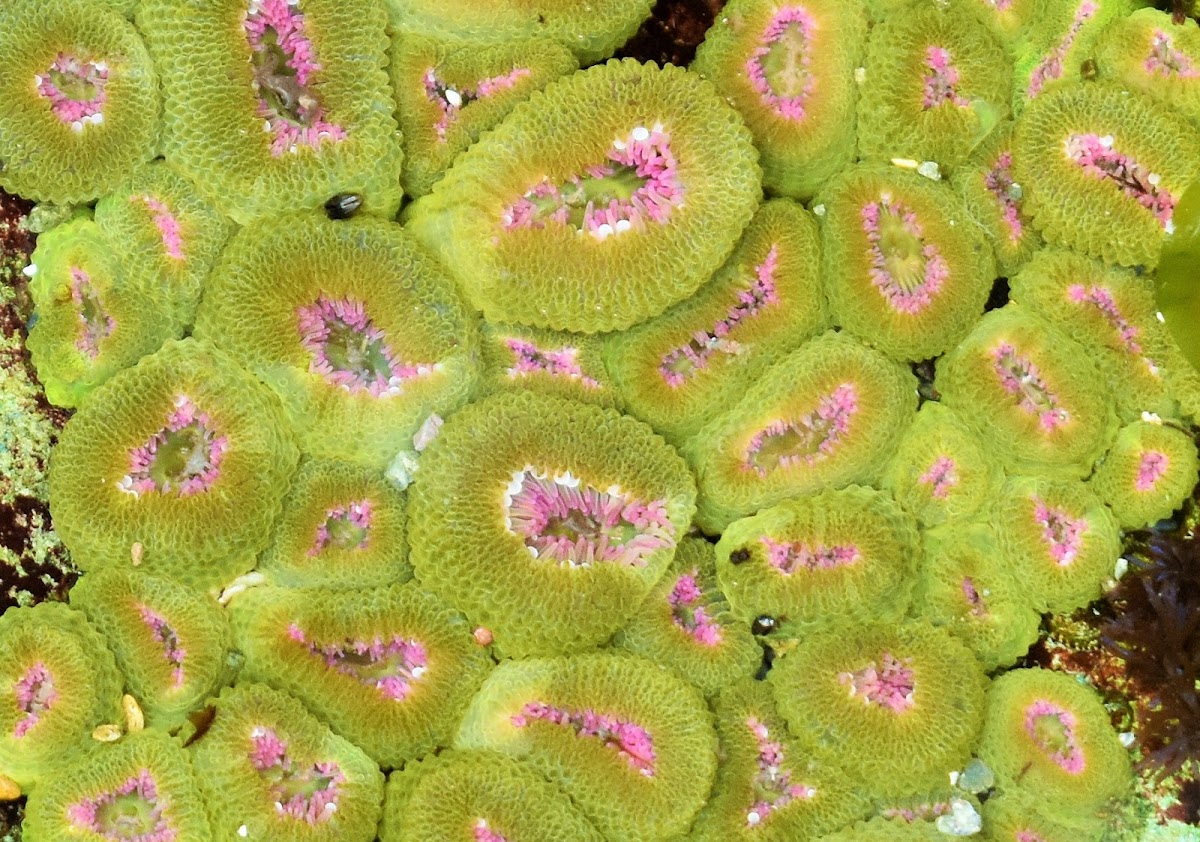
[{"x": 592, "y": 492}]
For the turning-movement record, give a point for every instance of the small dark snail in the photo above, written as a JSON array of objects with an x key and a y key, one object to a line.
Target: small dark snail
[{"x": 343, "y": 205}]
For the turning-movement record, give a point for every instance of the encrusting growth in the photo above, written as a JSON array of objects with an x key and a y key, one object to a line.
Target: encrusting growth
[
  {"x": 679, "y": 369},
  {"x": 79, "y": 107},
  {"x": 478, "y": 796},
  {"x": 546, "y": 520},
  {"x": 275, "y": 106},
  {"x": 271, "y": 770},
  {"x": 629, "y": 742},
  {"x": 186, "y": 454},
  {"x": 359, "y": 332},
  {"x": 643, "y": 199},
  {"x": 827, "y": 415},
  {"x": 789, "y": 70}
]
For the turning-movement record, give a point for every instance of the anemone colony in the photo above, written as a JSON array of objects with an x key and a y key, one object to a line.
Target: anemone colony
[{"x": 503, "y": 489}]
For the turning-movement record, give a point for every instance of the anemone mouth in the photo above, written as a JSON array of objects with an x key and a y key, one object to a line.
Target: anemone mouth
[
  {"x": 75, "y": 89},
  {"x": 390, "y": 665},
  {"x": 941, "y": 477},
  {"x": 349, "y": 351},
  {"x": 308, "y": 792},
  {"x": 1061, "y": 533},
  {"x": 1165, "y": 60},
  {"x": 941, "y": 80},
  {"x": 973, "y": 598},
  {"x": 133, "y": 812},
  {"x": 1099, "y": 158},
  {"x": 1019, "y": 377},
  {"x": 773, "y": 784},
  {"x": 1101, "y": 299},
  {"x": 908, "y": 271},
  {"x": 165, "y": 636},
  {"x": 1152, "y": 467},
  {"x": 344, "y": 528},
  {"x": 1052, "y": 729},
  {"x": 183, "y": 458},
  {"x": 1052, "y": 65},
  {"x": 790, "y": 557},
  {"x": 628, "y": 739},
  {"x": 681, "y": 364},
  {"x": 889, "y": 685},
  {"x": 690, "y": 608},
  {"x": 283, "y": 62},
  {"x": 1000, "y": 183},
  {"x": 451, "y": 100},
  {"x": 812, "y": 437},
  {"x": 95, "y": 324},
  {"x": 169, "y": 229},
  {"x": 779, "y": 68},
  {"x": 636, "y": 185},
  {"x": 570, "y": 523},
  {"x": 484, "y": 832},
  {"x": 529, "y": 359},
  {"x": 35, "y": 694}
]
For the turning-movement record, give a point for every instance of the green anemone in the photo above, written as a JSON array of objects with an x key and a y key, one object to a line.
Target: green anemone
[
  {"x": 60, "y": 682},
  {"x": 1048, "y": 733},
  {"x": 643, "y": 195},
  {"x": 789, "y": 70},
  {"x": 942, "y": 472},
  {"x": 390, "y": 669},
  {"x": 827, "y": 415},
  {"x": 678, "y": 370},
  {"x": 1059, "y": 539},
  {"x": 92, "y": 317},
  {"x": 360, "y": 333},
  {"x": 685, "y": 623},
  {"x": 171, "y": 641},
  {"x": 1032, "y": 394},
  {"x": 342, "y": 526},
  {"x": 937, "y": 80},
  {"x": 895, "y": 707},
  {"x": 769, "y": 787},
  {"x": 1150, "y": 52},
  {"x": 546, "y": 521},
  {"x": 630, "y": 742},
  {"x": 142, "y": 787},
  {"x": 272, "y": 770},
  {"x": 469, "y": 795},
  {"x": 276, "y": 108},
  {"x": 1150, "y": 471},
  {"x": 78, "y": 100},
  {"x": 821, "y": 560},
  {"x": 450, "y": 91},
  {"x": 186, "y": 455}
]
